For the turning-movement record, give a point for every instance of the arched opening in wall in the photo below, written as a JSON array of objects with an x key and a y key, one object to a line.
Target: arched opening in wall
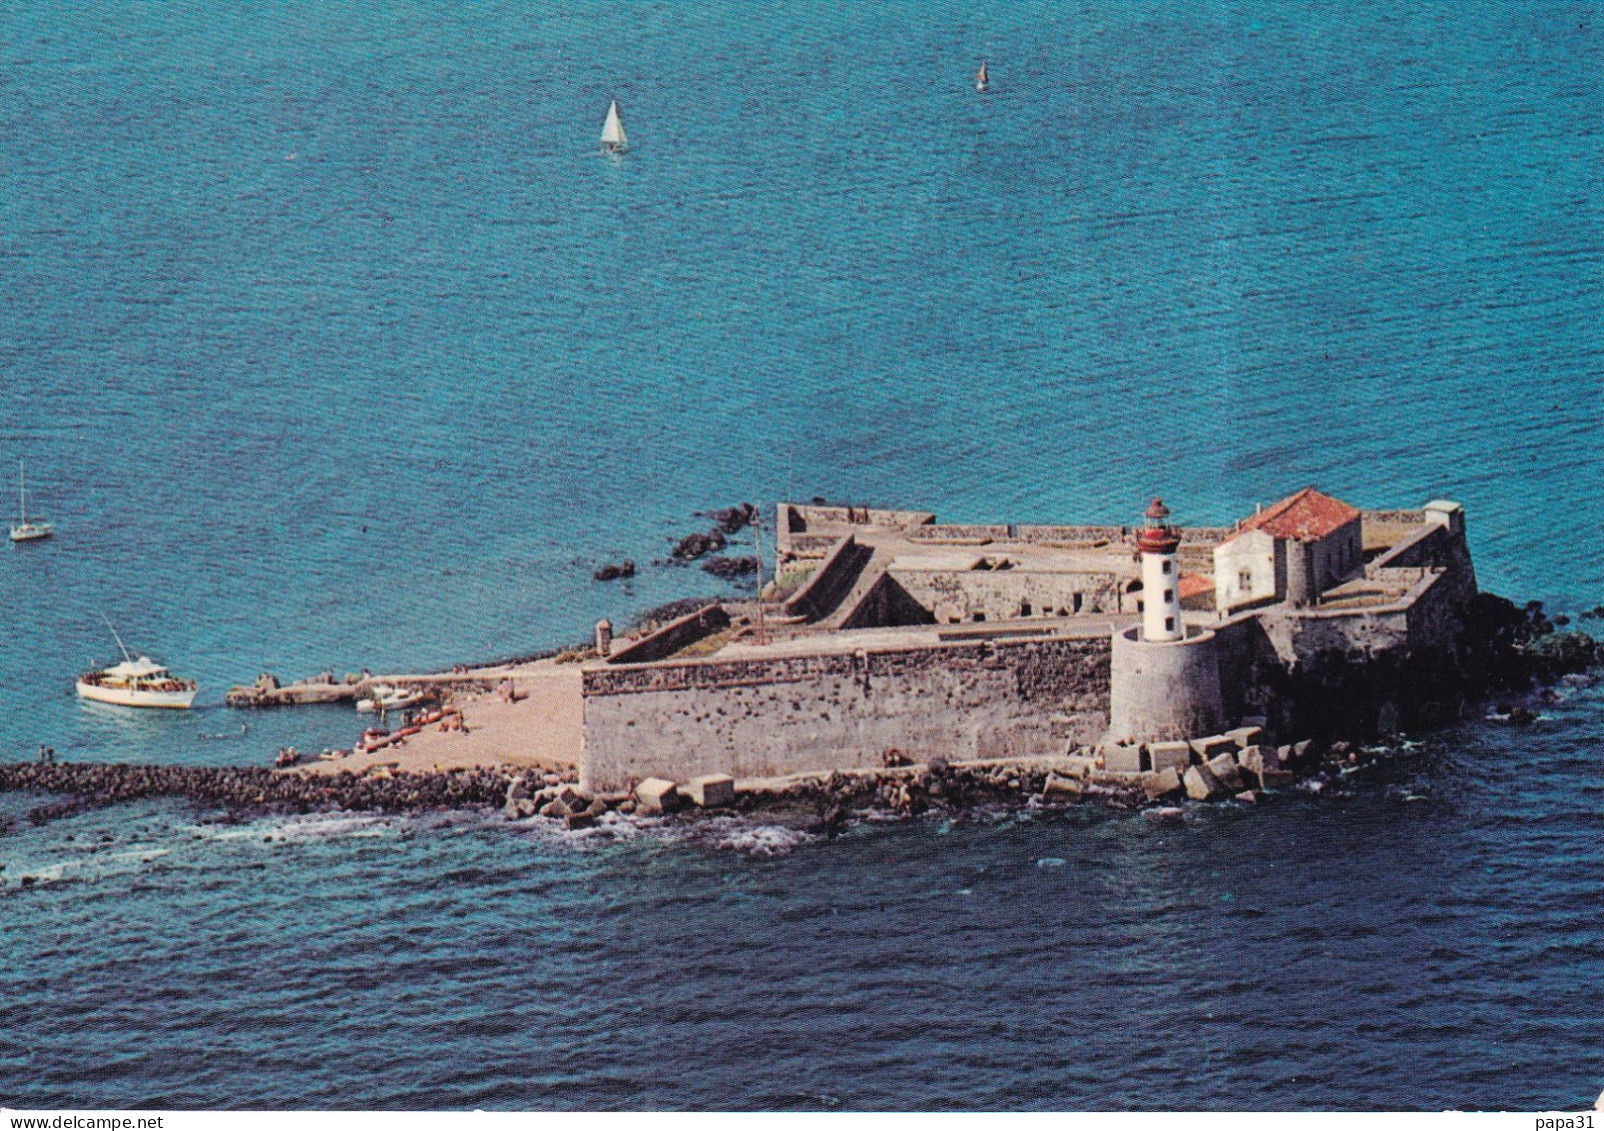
[
  {"x": 1129, "y": 598},
  {"x": 978, "y": 617},
  {"x": 1024, "y": 608},
  {"x": 1075, "y": 603}
]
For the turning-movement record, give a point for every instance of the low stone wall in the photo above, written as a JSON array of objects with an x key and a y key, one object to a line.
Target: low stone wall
[
  {"x": 673, "y": 636},
  {"x": 955, "y": 596},
  {"x": 1078, "y": 536},
  {"x": 763, "y": 718},
  {"x": 973, "y": 535}
]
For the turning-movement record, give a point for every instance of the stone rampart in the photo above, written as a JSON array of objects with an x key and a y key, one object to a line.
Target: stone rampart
[
  {"x": 830, "y": 582},
  {"x": 673, "y": 636},
  {"x": 955, "y": 596},
  {"x": 760, "y": 718}
]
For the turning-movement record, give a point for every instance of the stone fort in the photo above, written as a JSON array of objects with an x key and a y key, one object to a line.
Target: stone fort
[{"x": 886, "y": 631}]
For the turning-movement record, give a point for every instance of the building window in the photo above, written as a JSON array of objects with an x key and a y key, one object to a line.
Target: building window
[
  {"x": 1024, "y": 608},
  {"x": 1169, "y": 595},
  {"x": 1244, "y": 581},
  {"x": 1169, "y": 624},
  {"x": 1164, "y": 566}
]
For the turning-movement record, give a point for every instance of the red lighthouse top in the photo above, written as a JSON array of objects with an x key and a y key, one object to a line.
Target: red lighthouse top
[{"x": 1158, "y": 536}]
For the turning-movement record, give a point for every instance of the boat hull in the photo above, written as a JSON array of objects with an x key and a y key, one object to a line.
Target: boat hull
[
  {"x": 32, "y": 532},
  {"x": 128, "y": 697}
]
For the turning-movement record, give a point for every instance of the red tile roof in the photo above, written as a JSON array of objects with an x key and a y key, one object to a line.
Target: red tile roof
[
  {"x": 1194, "y": 583},
  {"x": 1306, "y": 516}
]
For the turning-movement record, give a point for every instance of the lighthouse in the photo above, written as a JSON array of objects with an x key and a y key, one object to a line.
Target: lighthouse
[{"x": 1161, "y": 601}]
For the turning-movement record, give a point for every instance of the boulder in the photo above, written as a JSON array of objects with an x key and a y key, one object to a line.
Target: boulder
[
  {"x": 570, "y": 797},
  {"x": 711, "y": 791},
  {"x": 1122, "y": 759},
  {"x": 1165, "y": 755},
  {"x": 557, "y": 808},
  {"x": 517, "y": 789},
  {"x": 1227, "y": 772},
  {"x": 1212, "y": 746},
  {"x": 1200, "y": 784},
  {"x": 1245, "y": 736},
  {"x": 655, "y": 795},
  {"x": 1161, "y": 783},
  {"x": 1248, "y": 797},
  {"x": 576, "y": 821},
  {"x": 1275, "y": 779}
]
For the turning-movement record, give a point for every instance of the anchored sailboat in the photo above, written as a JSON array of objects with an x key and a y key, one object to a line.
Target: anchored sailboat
[
  {"x": 26, "y": 531},
  {"x": 982, "y": 79},
  {"x": 613, "y": 138}
]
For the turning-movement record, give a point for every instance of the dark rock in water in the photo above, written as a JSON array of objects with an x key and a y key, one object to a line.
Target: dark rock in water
[
  {"x": 694, "y": 546},
  {"x": 732, "y": 520},
  {"x": 728, "y": 569},
  {"x": 1521, "y": 717},
  {"x": 615, "y": 572}
]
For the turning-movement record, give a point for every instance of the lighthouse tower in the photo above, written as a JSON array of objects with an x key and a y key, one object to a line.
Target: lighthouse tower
[
  {"x": 1161, "y": 600},
  {"x": 1163, "y": 684}
]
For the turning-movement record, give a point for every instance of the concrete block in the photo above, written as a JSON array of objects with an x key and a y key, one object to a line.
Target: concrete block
[
  {"x": 1255, "y": 758},
  {"x": 655, "y": 795},
  {"x": 1201, "y": 785},
  {"x": 1057, "y": 785},
  {"x": 570, "y": 797},
  {"x": 1248, "y": 797},
  {"x": 1245, "y": 736},
  {"x": 1303, "y": 751},
  {"x": 1213, "y": 746},
  {"x": 1123, "y": 759},
  {"x": 1161, "y": 783},
  {"x": 711, "y": 791},
  {"x": 1227, "y": 772},
  {"x": 1275, "y": 779},
  {"x": 1079, "y": 765},
  {"x": 577, "y": 821},
  {"x": 1165, "y": 755},
  {"x": 1125, "y": 779}
]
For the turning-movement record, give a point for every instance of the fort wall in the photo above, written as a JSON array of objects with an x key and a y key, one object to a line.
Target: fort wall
[{"x": 760, "y": 718}]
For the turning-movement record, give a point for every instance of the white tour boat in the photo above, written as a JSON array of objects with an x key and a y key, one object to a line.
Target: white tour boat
[
  {"x": 26, "y": 531},
  {"x": 137, "y": 683}
]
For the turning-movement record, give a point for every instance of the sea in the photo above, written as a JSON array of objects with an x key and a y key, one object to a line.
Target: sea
[{"x": 330, "y": 340}]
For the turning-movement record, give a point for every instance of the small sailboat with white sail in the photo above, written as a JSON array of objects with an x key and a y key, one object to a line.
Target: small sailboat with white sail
[
  {"x": 613, "y": 139},
  {"x": 28, "y": 530},
  {"x": 138, "y": 682},
  {"x": 983, "y": 78}
]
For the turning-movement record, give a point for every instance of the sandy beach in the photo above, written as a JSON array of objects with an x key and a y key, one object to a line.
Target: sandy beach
[{"x": 541, "y": 729}]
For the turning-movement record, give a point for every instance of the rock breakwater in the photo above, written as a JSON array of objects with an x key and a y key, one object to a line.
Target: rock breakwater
[{"x": 90, "y": 785}]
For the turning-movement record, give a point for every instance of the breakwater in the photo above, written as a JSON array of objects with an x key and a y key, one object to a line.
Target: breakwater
[{"x": 89, "y": 785}]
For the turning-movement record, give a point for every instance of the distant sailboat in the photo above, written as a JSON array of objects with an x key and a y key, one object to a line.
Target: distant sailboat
[
  {"x": 613, "y": 138},
  {"x": 26, "y": 531},
  {"x": 982, "y": 79}
]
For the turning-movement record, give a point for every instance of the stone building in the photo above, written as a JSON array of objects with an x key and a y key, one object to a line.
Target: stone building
[{"x": 1291, "y": 551}]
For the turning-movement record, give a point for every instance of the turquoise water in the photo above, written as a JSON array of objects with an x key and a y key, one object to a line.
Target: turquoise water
[{"x": 331, "y": 341}]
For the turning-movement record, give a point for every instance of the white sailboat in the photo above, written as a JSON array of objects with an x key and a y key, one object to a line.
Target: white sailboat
[
  {"x": 982, "y": 78},
  {"x": 613, "y": 138},
  {"x": 26, "y": 531},
  {"x": 136, "y": 683}
]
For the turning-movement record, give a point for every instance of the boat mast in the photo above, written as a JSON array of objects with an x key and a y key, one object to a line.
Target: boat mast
[
  {"x": 119, "y": 639},
  {"x": 22, "y": 489}
]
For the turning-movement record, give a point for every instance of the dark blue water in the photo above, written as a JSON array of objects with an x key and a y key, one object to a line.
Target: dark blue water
[{"x": 330, "y": 340}]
